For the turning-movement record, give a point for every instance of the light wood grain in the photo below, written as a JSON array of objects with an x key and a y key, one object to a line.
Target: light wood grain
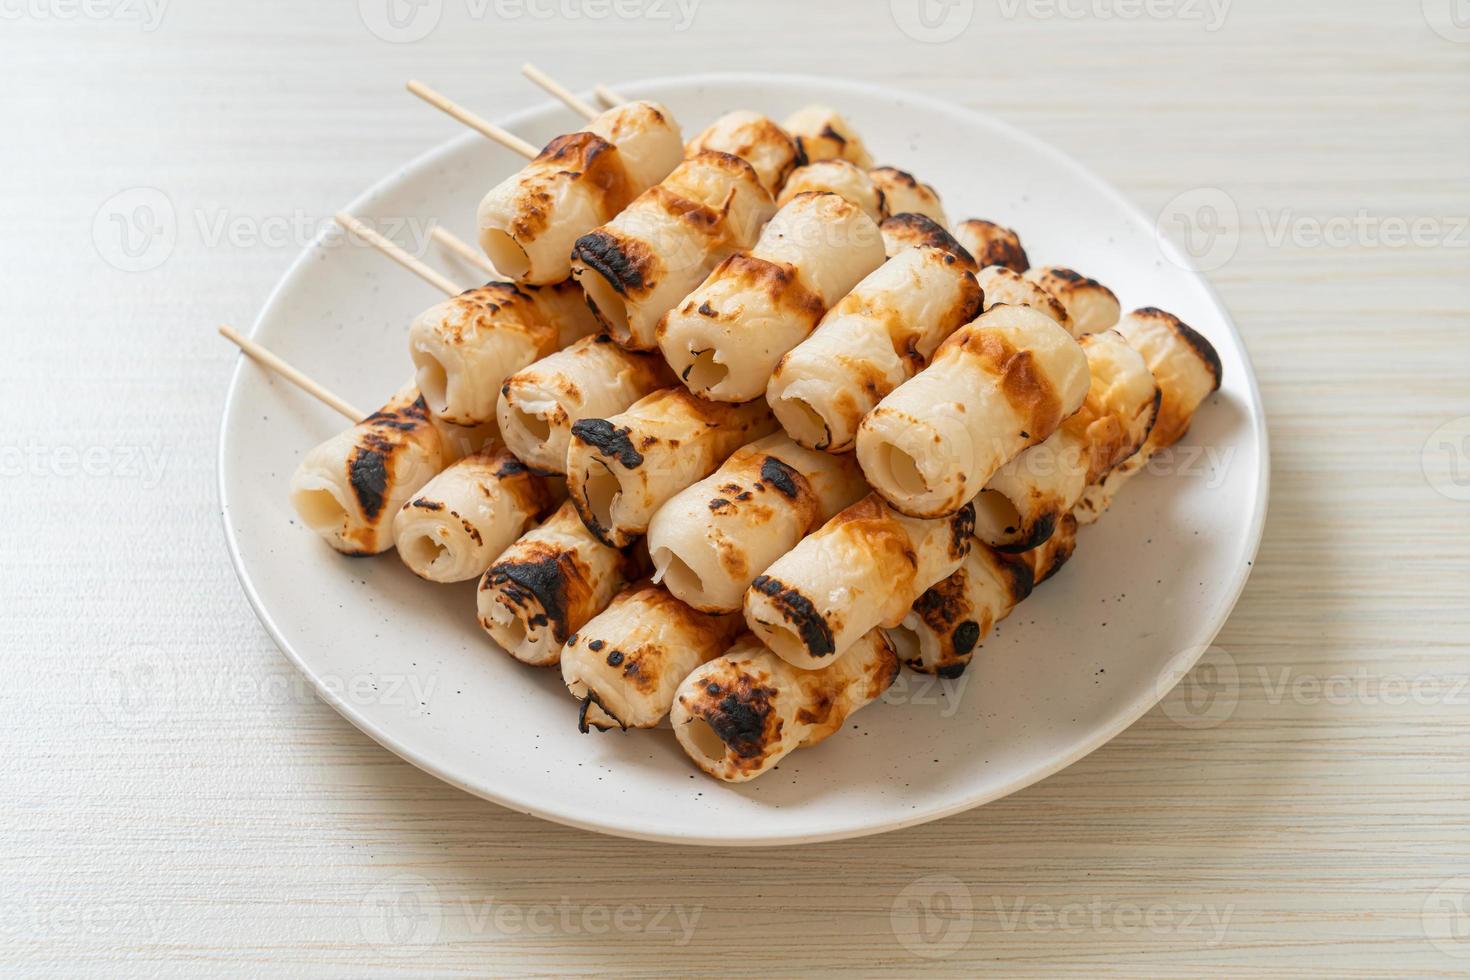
[{"x": 177, "y": 804}]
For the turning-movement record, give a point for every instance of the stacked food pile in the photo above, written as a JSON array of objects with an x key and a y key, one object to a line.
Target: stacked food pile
[{"x": 747, "y": 426}]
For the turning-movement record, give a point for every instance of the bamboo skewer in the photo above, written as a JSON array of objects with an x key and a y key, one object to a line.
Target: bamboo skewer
[
  {"x": 397, "y": 254},
  {"x": 607, "y": 96},
  {"x": 465, "y": 251},
  {"x": 482, "y": 126},
  {"x": 271, "y": 362},
  {"x": 559, "y": 90}
]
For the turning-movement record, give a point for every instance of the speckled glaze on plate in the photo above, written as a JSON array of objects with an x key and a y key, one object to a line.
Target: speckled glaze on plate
[{"x": 1090, "y": 652}]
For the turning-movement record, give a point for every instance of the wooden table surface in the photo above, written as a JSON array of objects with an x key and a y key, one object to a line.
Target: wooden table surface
[{"x": 176, "y": 801}]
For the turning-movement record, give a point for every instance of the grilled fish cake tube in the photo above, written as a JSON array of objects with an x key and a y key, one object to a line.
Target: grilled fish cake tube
[
  {"x": 593, "y": 378},
  {"x": 904, "y": 194},
  {"x": 880, "y": 335},
  {"x": 862, "y": 570},
  {"x": 726, "y": 337},
  {"x": 740, "y": 714},
  {"x": 626, "y": 663},
  {"x": 465, "y": 348},
  {"x": 349, "y": 488},
  {"x": 992, "y": 244},
  {"x": 757, "y": 140},
  {"x": 914, "y": 230},
  {"x": 847, "y": 180},
  {"x": 1029, "y": 496},
  {"x": 1091, "y": 306},
  {"x": 1187, "y": 370},
  {"x": 709, "y": 542},
  {"x": 997, "y": 386},
  {"x": 529, "y": 222},
  {"x": 621, "y": 470},
  {"x": 1004, "y": 287},
  {"x": 641, "y": 264},
  {"x": 822, "y": 134},
  {"x": 547, "y": 585},
  {"x": 946, "y": 626},
  {"x": 459, "y": 523}
]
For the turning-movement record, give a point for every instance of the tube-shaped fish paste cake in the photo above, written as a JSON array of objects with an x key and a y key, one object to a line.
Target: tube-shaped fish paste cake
[
  {"x": 945, "y": 627},
  {"x": 529, "y": 222},
  {"x": 880, "y": 335},
  {"x": 822, "y": 134},
  {"x": 622, "y": 469},
  {"x": 464, "y": 348},
  {"x": 349, "y": 488},
  {"x": 626, "y": 663},
  {"x": 997, "y": 386},
  {"x": 1090, "y": 305},
  {"x": 709, "y": 542},
  {"x": 742, "y": 713},
  {"x": 757, "y": 140},
  {"x": 1004, "y": 287},
  {"x": 1187, "y": 370},
  {"x": 459, "y": 523},
  {"x": 593, "y": 378},
  {"x": 915, "y": 231},
  {"x": 547, "y": 585},
  {"x": 725, "y": 339},
  {"x": 847, "y": 180},
  {"x": 641, "y": 264},
  {"x": 904, "y": 194},
  {"x": 992, "y": 244},
  {"x": 1028, "y": 496},
  {"x": 862, "y": 570}
]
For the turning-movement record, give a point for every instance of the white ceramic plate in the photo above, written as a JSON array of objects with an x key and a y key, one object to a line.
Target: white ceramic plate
[{"x": 1088, "y": 654}]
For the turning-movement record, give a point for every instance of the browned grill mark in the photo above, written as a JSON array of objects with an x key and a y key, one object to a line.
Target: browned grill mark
[
  {"x": 622, "y": 263},
  {"x": 609, "y": 440},
  {"x": 801, "y": 613},
  {"x": 1002, "y": 246},
  {"x": 1026, "y": 388}
]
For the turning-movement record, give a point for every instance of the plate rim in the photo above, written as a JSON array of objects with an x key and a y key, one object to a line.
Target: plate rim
[{"x": 1121, "y": 719}]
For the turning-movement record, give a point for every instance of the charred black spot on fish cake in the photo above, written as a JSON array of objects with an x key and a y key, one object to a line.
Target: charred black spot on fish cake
[
  {"x": 781, "y": 476},
  {"x": 961, "y": 526},
  {"x": 1020, "y": 576},
  {"x": 596, "y": 645},
  {"x": 367, "y": 473},
  {"x": 510, "y": 466},
  {"x": 706, "y": 310},
  {"x": 602, "y": 253},
  {"x": 719, "y": 504},
  {"x": 965, "y": 636},
  {"x": 543, "y": 580},
  {"x": 615, "y": 658},
  {"x": 799, "y": 611},
  {"x": 1040, "y": 533},
  {"x": 951, "y": 671},
  {"x": 609, "y": 440},
  {"x": 422, "y": 504},
  {"x": 740, "y": 722}
]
